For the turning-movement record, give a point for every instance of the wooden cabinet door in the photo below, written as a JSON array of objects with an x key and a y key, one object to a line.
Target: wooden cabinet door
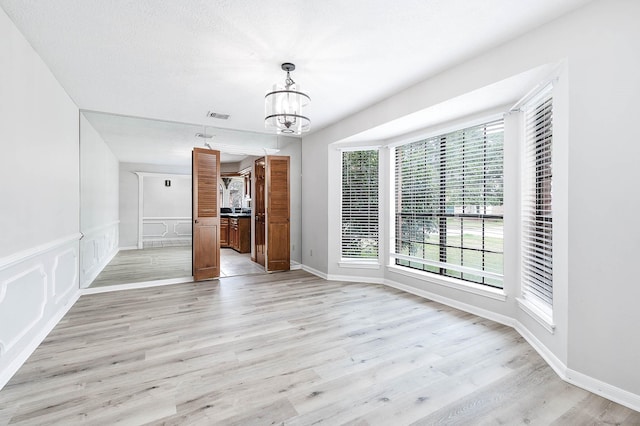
[
  {"x": 277, "y": 220},
  {"x": 206, "y": 214},
  {"x": 233, "y": 233},
  {"x": 224, "y": 232}
]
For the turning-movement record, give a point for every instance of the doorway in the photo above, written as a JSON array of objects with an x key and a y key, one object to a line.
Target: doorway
[{"x": 136, "y": 144}]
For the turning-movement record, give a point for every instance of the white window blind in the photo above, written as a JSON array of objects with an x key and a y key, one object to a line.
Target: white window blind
[
  {"x": 360, "y": 204},
  {"x": 449, "y": 204},
  {"x": 537, "y": 213}
]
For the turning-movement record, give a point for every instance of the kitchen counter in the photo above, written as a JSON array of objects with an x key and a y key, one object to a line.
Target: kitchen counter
[{"x": 235, "y": 214}]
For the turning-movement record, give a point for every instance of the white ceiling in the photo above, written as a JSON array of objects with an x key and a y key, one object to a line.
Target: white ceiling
[
  {"x": 176, "y": 60},
  {"x": 140, "y": 140}
]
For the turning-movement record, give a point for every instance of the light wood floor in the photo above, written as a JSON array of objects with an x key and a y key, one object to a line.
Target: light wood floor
[
  {"x": 150, "y": 264},
  {"x": 288, "y": 348}
]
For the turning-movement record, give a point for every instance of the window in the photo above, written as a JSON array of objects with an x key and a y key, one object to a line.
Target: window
[
  {"x": 360, "y": 204},
  {"x": 537, "y": 218},
  {"x": 236, "y": 192},
  {"x": 449, "y": 204}
]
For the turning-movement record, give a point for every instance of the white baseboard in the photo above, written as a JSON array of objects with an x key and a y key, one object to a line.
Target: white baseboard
[
  {"x": 128, "y": 248},
  {"x": 355, "y": 279},
  {"x": 603, "y": 389},
  {"x": 133, "y": 286},
  {"x": 7, "y": 373},
  {"x": 314, "y": 272},
  {"x": 554, "y": 362},
  {"x": 484, "y": 313},
  {"x": 294, "y": 266}
]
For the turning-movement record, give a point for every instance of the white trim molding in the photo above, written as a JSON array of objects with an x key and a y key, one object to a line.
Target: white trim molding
[
  {"x": 24, "y": 255},
  {"x": 484, "y": 313},
  {"x": 98, "y": 247},
  {"x": 537, "y": 314},
  {"x": 165, "y": 229},
  {"x": 469, "y": 287},
  {"x": 315, "y": 272},
  {"x": 359, "y": 264},
  {"x": 37, "y": 288},
  {"x": 134, "y": 286},
  {"x": 603, "y": 389}
]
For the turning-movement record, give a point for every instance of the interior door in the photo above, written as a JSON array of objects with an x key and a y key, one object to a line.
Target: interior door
[
  {"x": 259, "y": 207},
  {"x": 277, "y": 220},
  {"x": 206, "y": 214}
]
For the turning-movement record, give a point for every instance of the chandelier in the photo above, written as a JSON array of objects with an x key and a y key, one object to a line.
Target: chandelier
[{"x": 283, "y": 106}]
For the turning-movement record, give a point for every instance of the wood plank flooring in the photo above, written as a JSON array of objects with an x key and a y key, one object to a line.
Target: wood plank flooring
[
  {"x": 288, "y": 348},
  {"x": 160, "y": 263}
]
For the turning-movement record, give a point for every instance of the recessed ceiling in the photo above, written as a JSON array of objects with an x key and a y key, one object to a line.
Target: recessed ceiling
[{"x": 178, "y": 60}]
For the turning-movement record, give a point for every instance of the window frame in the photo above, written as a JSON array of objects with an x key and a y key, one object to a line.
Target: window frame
[
  {"x": 372, "y": 262},
  {"x": 455, "y": 282},
  {"x": 535, "y": 306}
]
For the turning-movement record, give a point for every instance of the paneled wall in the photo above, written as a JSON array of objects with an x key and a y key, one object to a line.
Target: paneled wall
[
  {"x": 130, "y": 203},
  {"x": 98, "y": 246},
  {"x": 37, "y": 287},
  {"x": 39, "y": 197},
  {"x": 166, "y": 231}
]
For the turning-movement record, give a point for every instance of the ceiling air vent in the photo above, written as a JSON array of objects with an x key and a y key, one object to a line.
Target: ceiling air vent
[
  {"x": 217, "y": 115},
  {"x": 203, "y": 136}
]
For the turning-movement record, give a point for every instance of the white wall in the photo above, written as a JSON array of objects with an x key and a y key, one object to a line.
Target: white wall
[
  {"x": 293, "y": 149},
  {"x": 596, "y": 342},
  {"x": 161, "y": 200},
  {"x": 129, "y": 197},
  {"x": 39, "y": 190},
  {"x": 166, "y": 210},
  {"x": 99, "y": 174}
]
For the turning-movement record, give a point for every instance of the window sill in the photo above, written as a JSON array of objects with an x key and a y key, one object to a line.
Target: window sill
[
  {"x": 544, "y": 319},
  {"x": 359, "y": 263},
  {"x": 477, "y": 289}
]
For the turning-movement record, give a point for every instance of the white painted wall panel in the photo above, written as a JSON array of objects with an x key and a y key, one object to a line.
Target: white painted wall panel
[
  {"x": 37, "y": 287},
  {"x": 39, "y": 142},
  {"x": 39, "y": 194}
]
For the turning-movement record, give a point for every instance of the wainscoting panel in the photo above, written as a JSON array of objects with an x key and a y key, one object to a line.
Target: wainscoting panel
[
  {"x": 163, "y": 231},
  {"x": 97, "y": 247},
  {"x": 37, "y": 287}
]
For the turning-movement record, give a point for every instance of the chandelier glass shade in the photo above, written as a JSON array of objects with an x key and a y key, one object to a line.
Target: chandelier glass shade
[{"x": 284, "y": 107}]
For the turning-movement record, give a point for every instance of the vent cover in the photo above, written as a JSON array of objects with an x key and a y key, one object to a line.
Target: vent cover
[
  {"x": 217, "y": 115},
  {"x": 203, "y": 136}
]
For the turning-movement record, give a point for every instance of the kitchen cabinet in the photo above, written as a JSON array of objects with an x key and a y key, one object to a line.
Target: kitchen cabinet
[
  {"x": 240, "y": 234},
  {"x": 224, "y": 232}
]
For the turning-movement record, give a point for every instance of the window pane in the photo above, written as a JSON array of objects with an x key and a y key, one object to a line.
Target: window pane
[
  {"x": 449, "y": 203},
  {"x": 360, "y": 204},
  {"x": 537, "y": 218}
]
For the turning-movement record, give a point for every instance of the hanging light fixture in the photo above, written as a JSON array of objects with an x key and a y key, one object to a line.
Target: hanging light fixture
[{"x": 284, "y": 105}]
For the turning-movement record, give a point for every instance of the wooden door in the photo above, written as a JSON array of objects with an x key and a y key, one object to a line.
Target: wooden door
[
  {"x": 259, "y": 208},
  {"x": 277, "y": 220},
  {"x": 206, "y": 214}
]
